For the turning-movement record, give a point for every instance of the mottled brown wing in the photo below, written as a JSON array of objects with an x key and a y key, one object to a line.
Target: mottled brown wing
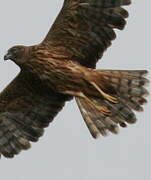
[
  {"x": 84, "y": 28},
  {"x": 26, "y": 108}
]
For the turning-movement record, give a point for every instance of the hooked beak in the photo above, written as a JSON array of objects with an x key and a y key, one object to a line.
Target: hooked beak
[{"x": 7, "y": 56}]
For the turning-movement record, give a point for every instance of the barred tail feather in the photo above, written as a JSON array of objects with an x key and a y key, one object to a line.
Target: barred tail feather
[
  {"x": 129, "y": 86},
  {"x": 130, "y": 92}
]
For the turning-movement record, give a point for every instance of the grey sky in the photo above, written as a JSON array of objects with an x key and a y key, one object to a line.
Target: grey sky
[{"x": 67, "y": 151}]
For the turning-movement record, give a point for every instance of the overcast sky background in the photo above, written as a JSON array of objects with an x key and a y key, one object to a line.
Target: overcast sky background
[{"x": 67, "y": 150}]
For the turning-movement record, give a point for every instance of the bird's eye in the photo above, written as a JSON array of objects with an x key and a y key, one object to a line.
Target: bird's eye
[{"x": 15, "y": 50}]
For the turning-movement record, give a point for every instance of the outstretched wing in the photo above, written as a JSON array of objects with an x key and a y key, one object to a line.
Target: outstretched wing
[
  {"x": 84, "y": 28},
  {"x": 26, "y": 108}
]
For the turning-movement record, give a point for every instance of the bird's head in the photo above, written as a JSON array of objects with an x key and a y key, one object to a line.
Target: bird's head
[{"x": 16, "y": 54}]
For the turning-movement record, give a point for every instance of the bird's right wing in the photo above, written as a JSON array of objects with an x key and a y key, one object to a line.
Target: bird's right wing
[
  {"x": 26, "y": 108},
  {"x": 85, "y": 28}
]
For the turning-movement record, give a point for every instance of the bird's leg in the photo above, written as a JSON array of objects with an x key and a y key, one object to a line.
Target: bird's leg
[
  {"x": 105, "y": 111},
  {"x": 106, "y": 96}
]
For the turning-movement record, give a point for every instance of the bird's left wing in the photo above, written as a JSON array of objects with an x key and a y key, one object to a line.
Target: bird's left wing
[
  {"x": 85, "y": 28},
  {"x": 26, "y": 108}
]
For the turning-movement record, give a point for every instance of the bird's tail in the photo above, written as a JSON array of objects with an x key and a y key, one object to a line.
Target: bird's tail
[{"x": 114, "y": 108}]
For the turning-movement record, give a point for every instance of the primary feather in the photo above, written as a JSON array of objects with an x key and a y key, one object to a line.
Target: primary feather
[{"x": 84, "y": 29}]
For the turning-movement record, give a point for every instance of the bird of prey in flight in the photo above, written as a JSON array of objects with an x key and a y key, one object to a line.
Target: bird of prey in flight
[{"x": 62, "y": 67}]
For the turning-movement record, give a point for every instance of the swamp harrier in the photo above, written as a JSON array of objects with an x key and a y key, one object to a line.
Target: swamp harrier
[{"x": 61, "y": 67}]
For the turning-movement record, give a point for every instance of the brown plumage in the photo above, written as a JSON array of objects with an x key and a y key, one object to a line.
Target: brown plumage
[{"x": 62, "y": 67}]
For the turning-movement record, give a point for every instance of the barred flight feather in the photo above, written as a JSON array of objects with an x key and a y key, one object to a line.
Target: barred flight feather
[{"x": 130, "y": 91}]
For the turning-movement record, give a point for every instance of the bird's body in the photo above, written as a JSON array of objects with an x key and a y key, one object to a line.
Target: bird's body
[
  {"x": 61, "y": 74},
  {"x": 61, "y": 67}
]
